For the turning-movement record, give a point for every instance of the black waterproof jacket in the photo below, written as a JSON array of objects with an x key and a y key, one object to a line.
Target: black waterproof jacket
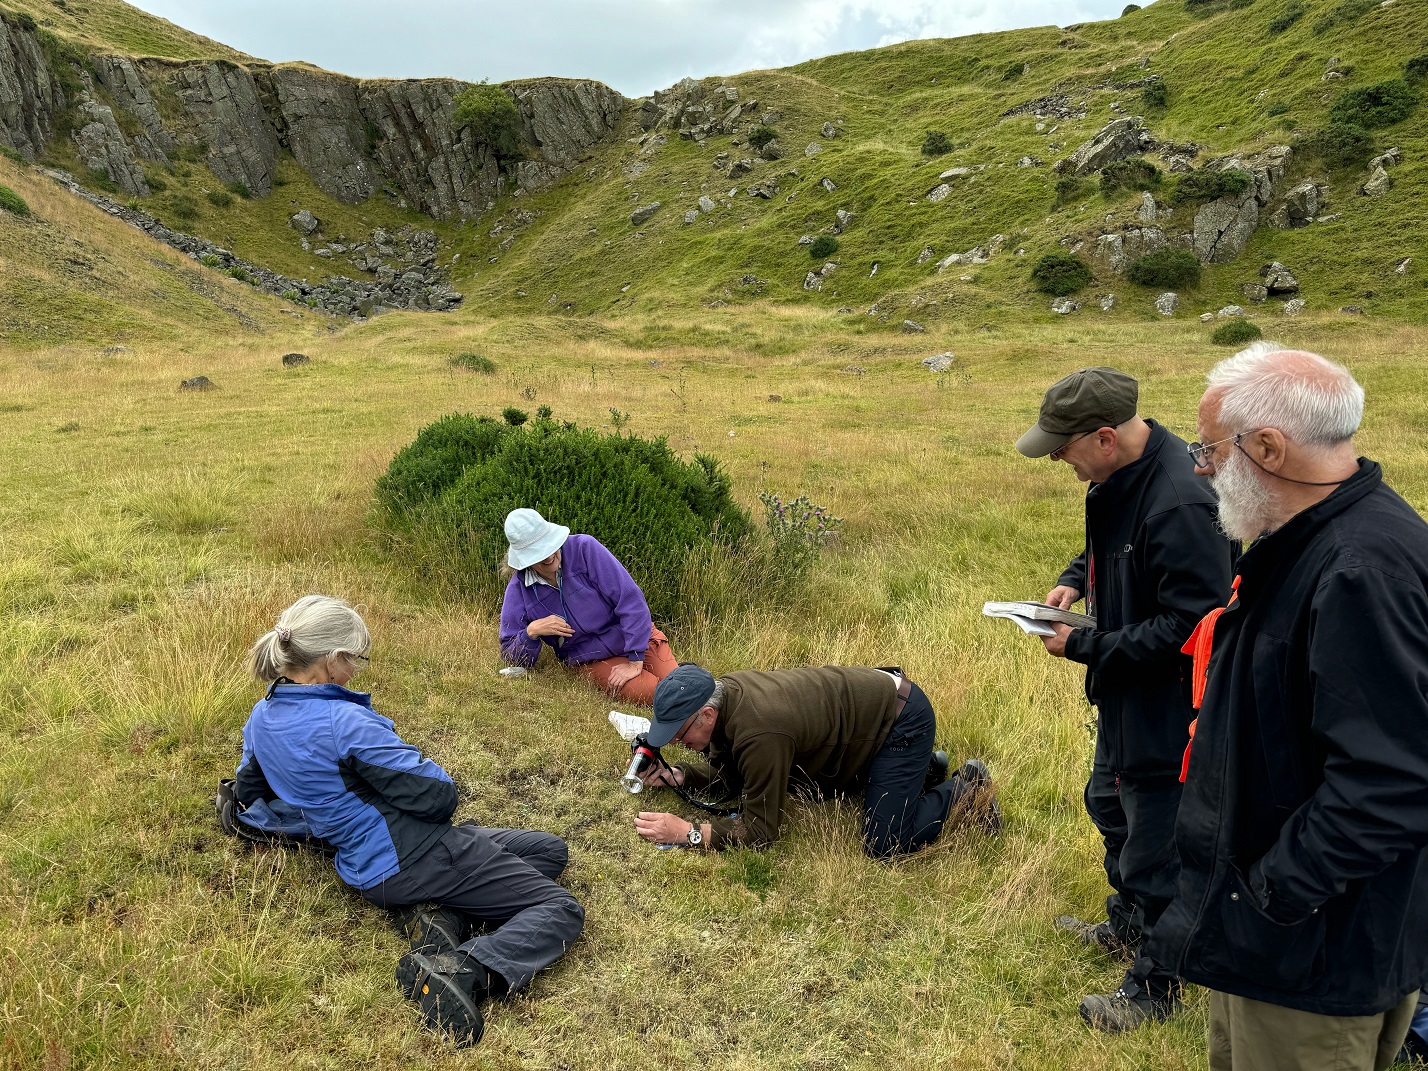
[
  {"x": 1155, "y": 563},
  {"x": 1303, "y": 875}
]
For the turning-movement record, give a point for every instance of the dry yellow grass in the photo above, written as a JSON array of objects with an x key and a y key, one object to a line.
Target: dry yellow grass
[{"x": 146, "y": 536}]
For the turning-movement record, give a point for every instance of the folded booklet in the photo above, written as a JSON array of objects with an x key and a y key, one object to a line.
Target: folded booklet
[{"x": 1032, "y": 617}]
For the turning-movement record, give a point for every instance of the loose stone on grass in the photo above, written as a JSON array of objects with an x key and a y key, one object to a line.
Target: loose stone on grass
[
  {"x": 198, "y": 383},
  {"x": 939, "y": 362}
]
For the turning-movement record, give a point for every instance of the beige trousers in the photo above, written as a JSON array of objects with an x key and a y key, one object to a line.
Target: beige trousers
[{"x": 1249, "y": 1035}]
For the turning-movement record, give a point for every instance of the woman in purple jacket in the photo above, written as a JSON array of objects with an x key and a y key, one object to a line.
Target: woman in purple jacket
[{"x": 568, "y": 591}]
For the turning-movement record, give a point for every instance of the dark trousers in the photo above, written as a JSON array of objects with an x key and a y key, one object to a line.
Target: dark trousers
[
  {"x": 1136, "y": 817},
  {"x": 502, "y": 878},
  {"x": 897, "y": 817}
]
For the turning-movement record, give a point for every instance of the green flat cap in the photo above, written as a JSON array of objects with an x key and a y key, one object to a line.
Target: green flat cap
[{"x": 1084, "y": 401}]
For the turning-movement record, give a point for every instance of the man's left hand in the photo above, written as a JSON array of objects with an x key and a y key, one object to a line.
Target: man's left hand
[
  {"x": 1056, "y": 645},
  {"x": 659, "y": 828}
]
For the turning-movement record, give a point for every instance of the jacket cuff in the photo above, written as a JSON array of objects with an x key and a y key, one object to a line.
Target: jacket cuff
[{"x": 1078, "y": 645}]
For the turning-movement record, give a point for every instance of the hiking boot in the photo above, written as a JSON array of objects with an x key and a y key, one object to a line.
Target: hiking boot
[
  {"x": 937, "y": 768},
  {"x": 449, "y": 987},
  {"x": 1097, "y": 935},
  {"x": 431, "y": 930},
  {"x": 982, "y": 798},
  {"x": 1126, "y": 1009}
]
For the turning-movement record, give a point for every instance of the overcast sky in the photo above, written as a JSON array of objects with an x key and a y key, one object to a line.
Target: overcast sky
[{"x": 636, "y": 46}]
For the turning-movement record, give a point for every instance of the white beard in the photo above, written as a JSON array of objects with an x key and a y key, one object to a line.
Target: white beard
[{"x": 1248, "y": 506}]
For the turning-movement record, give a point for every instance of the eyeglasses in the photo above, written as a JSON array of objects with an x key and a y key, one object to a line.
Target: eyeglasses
[
  {"x": 1060, "y": 451},
  {"x": 679, "y": 736},
  {"x": 362, "y": 660},
  {"x": 1201, "y": 452}
]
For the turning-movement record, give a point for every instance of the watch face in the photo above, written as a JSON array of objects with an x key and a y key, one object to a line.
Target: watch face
[{"x": 696, "y": 836}]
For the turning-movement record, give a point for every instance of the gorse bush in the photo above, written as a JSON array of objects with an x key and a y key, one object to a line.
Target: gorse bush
[
  {"x": 1134, "y": 173},
  {"x": 1235, "y": 332},
  {"x": 760, "y": 137},
  {"x": 1068, "y": 187},
  {"x": 1060, "y": 274},
  {"x": 12, "y": 202},
  {"x": 474, "y": 362},
  {"x": 448, "y": 493},
  {"x": 1288, "y": 17},
  {"x": 1339, "y": 145},
  {"x": 936, "y": 143},
  {"x": 1416, "y": 69},
  {"x": 514, "y": 417},
  {"x": 1165, "y": 268},
  {"x": 1155, "y": 95},
  {"x": 220, "y": 198},
  {"x": 1374, "y": 106},
  {"x": 1198, "y": 187},
  {"x": 825, "y": 245},
  {"x": 1128, "y": 9},
  {"x": 493, "y": 119}
]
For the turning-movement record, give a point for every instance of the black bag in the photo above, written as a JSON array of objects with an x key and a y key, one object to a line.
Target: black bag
[{"x": 229, "y": 808}]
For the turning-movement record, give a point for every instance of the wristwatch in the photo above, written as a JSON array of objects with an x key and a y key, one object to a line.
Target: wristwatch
[{"x": 695, "y": 836}]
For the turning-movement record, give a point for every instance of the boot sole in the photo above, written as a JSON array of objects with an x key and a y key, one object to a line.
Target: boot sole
[{"x": 446, "y": 1008}]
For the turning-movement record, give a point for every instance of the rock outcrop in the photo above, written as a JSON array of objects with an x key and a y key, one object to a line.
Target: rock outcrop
[
  {"x": 122, "y": 79},
  {"x": 1224, "y": 226},
  {"x": 30, "y": 94},
  {"x": 325, "y": 130},
  {"x": 222, "y": 102},
  {"x": 102, "y": 147},
  {"x": 1119, "y": 249},
  {"x": 1115, "y": 141}
]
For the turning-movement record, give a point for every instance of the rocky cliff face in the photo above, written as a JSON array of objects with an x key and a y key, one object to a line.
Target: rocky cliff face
[{"x": 351, "y": 136}]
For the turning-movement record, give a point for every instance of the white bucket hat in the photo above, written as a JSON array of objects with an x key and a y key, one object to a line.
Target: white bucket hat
[{"x": 532, "y": 538}]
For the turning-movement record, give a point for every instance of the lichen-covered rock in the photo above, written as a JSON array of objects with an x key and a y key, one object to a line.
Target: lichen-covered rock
[
  {"x": 939, "y": 362},
  {"x": 912, "y": 327},
  {"x": 1167, "y": 303},
  {"x": 222, "y": 101},
  {"x": 1230, "y": 310},
  {"x": 1107, "y": 302},
  {"x": 101, "y": 147},
  {"x": 1117, "y": 140},
  {"x": 1120, "y": 248},
  {"x": 1064, "y": 306},
  {"x": 1279, "y": 280},
  {"x": 939, "y": 193},
  {"x": 325, "y": 131},
  {"x": 126, "y": 85},
  {"x": 1301, "y": 205},
  {"x": 30, "y": 95},
  {"x": 1378, "y": 184},
  {"x": 1294, "y": 306},
  {"x": 1222, "y": 227},
  {"x": 304, "y": 222}
]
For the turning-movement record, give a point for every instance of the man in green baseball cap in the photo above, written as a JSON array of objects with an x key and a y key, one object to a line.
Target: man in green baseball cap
[{"x": 1153, "y": 564}]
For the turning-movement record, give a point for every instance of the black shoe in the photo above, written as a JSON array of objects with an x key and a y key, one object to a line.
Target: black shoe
[
  {"x": 449, "y": 987},
  {"x": 1125, "y": 1010},
  {"x": 431, "y": 930},
  {"x": 980, "y": 795},
  {"x": 937, "y": 768},
  {"x": 1098, "y": 935}
]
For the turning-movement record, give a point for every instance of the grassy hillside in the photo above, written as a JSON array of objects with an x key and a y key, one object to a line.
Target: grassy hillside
[{"x": 114, "y": 26}]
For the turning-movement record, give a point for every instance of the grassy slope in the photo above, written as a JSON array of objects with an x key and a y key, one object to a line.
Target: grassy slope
[
  {"x": 114, "y": 26},
  {"x": 145, "y": 547}
]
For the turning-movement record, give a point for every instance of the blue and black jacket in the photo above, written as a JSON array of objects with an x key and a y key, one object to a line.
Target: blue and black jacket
[{"x": 322, "y": 749}]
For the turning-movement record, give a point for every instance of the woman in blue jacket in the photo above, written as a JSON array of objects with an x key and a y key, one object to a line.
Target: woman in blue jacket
[{"x": 321, "y": 748}]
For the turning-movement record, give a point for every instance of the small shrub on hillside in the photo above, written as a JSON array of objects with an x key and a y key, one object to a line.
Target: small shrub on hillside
[
  {"x": 13, "y": 155},
  {"x": 1068, "y": 188},
  {"x": 238, "y": 189},
  {"x": 156, "y": 182},
  {"x": 1235, "y": 332},
  {"x": 220, "y": 198},
  {"x": 513, "y": 416},
  {"x": 1059, "y": 274},
  {"x": 1339, "y": 145},
  {"x": 1348, "y": 11},
  {"x": 1277, "y": 108},
  {"x": 1128, "y": 9},
  {"x": 799, "y": 530},
  {"x": 474, "y": 362},
  {"x": 184, "y": 209},
  {"x": 1155, "y": 95},
  {"x": 1416, "y": 69},
  {"x": 1374, "y": 106},
  {"x": 446, "y": 496},
  {"x": 936, "y": 143},
  {"x": 12, "y": 202},
  {"x": 241, "y": 274},
  {"x": 26, "y": 21},
  {"x": 825, "y": 245},
  {"x": 1165, "y": 268},
  {"x": 1013, "y": 71},
  {"x": 1288, "y": 17},
  {"x": 493, "y": 119},
  {"x": 208, "y": 260},
  {"x": 1135, "y": 173},
  {"x": 1199, "y": 187},
  {"x": 760, "y": 136}
]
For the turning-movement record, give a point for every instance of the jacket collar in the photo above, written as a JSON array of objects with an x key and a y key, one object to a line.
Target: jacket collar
[
  {"x": 1285, "y": 544},
  {"x": 321, "y": 691}
]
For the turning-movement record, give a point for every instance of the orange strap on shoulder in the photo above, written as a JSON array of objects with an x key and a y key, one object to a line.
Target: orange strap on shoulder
[{"x": 1199, "y": 647}]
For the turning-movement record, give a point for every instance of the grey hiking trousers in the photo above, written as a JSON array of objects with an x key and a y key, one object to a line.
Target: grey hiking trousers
[{"x": 501, "y": 878}]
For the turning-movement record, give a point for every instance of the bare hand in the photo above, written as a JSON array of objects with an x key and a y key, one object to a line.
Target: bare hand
[
  {"x": 658, "y": 828},
  {"x": 656, "y": 776},
  {"x": 1062, "y": 596},
  {"x": 622, "y": 675},
  {"x": 554, "y": 625},
  {"x": 1056, "y": 645}
]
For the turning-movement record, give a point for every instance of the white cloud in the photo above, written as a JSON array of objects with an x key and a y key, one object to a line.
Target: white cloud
[{"x": 634, "y": 45}]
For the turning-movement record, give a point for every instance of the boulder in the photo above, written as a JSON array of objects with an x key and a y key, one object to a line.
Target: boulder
[
  {"x": 292, "y": 360},
  {"x": 643, "y": 213},
  {"x": 829, "y": 131},
  {"x": 926, "y": 255},
  {"x": 843, "y": 218},
  {"x": 1390, "y": 158},
  {"x": 1206, "y": 317},
  {"x": 812, "y": 149},
  {"x": 939, "y": 193},
  {"x": 1401, "y": 267},
  {"x": 1224, "y": 226},
  {"x": 1029, "y": 161},
  {"x": 1278, "y": 279},
  {"x": 1231, "y": 310},
  {"x": 197, "y": 383},
  {"x": 1167, "y": 303},
  {"x": 1107, "y": 302},
  {"x": 304, "y": 222},
  {"x": 1301, "y": 205},
  {"x": 1115, "y": 141},
  {"x": 706, "y": 203},
  {"x": 101, "y": 146},
  {"x": 939, "y": 362},
  {"x": 1255, "y": 293},
  {"x": 1120, "y": 248},
  {"x": 828, "y": 184},
  {"x": 813, "y": 281},
  {"x": 691, "y": 216},
  {"x": 1148, "y": 211},
  {"x": 912, "y": 327},
  {"x": 955, "y": 172},
  {"x": 1378, "y": 184},
  {"x": 1063, "y": 306},
  {"x": 1294, "y": 306}
]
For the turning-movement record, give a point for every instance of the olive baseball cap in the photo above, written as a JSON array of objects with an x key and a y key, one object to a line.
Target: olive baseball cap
[{"x": 1084, "y": 401}]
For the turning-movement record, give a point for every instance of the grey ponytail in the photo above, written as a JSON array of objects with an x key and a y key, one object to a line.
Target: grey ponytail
[{"x": 308, "y": 631}]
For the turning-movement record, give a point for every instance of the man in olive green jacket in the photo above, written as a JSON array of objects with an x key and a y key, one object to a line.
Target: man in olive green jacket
[{"x": 834, "y": 729}]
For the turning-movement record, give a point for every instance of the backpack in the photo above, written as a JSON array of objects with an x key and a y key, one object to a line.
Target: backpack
[{"x": 269, "y": 823}]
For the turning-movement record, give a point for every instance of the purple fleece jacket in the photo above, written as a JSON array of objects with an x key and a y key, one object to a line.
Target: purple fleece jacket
[{"x": 597, "y": 597}]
